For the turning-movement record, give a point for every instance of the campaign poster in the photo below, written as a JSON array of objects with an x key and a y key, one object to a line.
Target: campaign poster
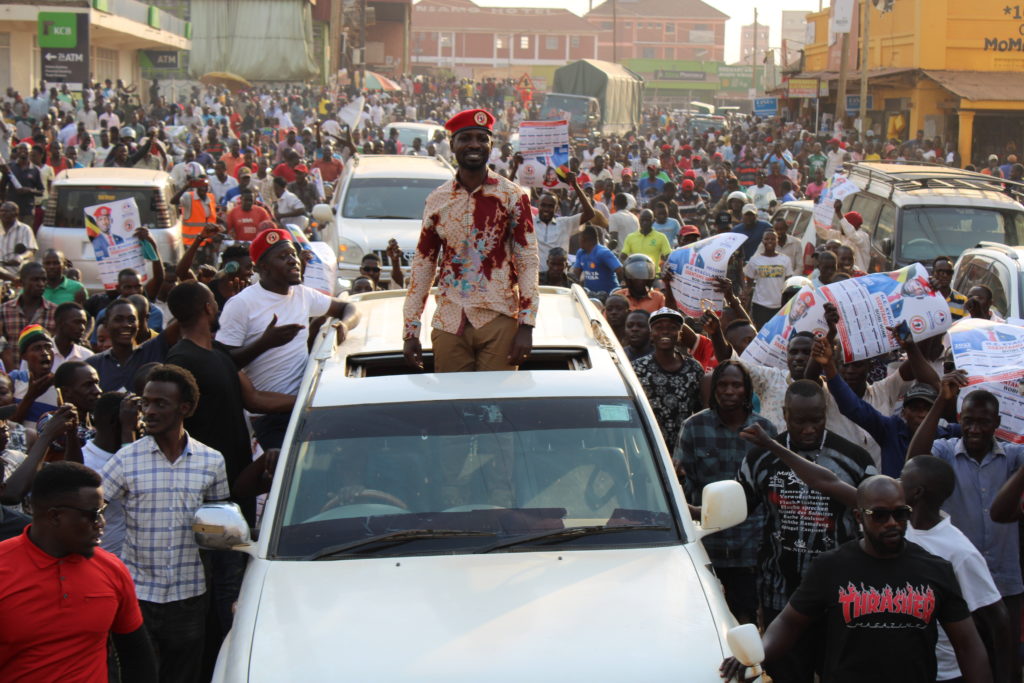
[
  {"x": 1010, "y": 394},
  {"x": 320, "y": 272},
  {"x": 805, "y": 312},
  {"x": 871, "y": 303},
  {"x": 839, "y": 188},
  {"x": 988, "y": 351},
  {"x": 694, "y": 269},
  {"x": 111, "y": 229},
  {"x": 544, "y": 146}
]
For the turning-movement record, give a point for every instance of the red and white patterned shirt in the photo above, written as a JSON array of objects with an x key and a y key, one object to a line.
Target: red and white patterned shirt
[{"x": 488, "y": 256}]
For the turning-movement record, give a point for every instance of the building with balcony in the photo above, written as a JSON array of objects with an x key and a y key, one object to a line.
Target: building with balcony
[
  {"x": 659, "y": 29},
  {"x": 481, "y": 42},
  {"x": 950, "y": 69},
  {"x": 117, "y": 31}
]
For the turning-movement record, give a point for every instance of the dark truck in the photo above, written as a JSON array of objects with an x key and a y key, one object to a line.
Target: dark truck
[{"x": 595, "y": 96}]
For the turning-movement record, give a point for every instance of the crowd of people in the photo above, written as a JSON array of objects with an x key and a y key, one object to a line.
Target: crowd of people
[{"x": 874, "y": 506}]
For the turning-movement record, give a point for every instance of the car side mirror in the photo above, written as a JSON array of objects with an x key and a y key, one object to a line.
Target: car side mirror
[
  {"x": 886, "y": 246},
  {"x": 323, "y": 214},
  {"x": 723, "y": 505},
  {"x": 745, "y": 644},
  {"x": 221, "y": 526}
]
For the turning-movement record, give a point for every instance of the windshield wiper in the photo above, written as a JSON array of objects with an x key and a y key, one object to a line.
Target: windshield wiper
[
  {"x": 391, "y": 537},
  {"x": 404, "y": 218},
  {"x": 568, "y": 534}
]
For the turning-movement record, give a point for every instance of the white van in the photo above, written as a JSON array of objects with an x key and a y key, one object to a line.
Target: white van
[
  {"x": 63, "y": 226},
  {"x": 498, "y": 526}
]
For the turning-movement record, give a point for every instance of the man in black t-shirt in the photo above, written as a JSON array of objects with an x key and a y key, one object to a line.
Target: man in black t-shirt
[{"x": 879, "y": 600}]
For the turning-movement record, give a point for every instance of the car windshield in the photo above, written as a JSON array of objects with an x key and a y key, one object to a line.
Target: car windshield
[
  {"x": 929, "y": 232},
  {"x": 485, "y": 472},
  {"x": 387, "y": 197},
  {"x": 407, "y": 135},
  {"x": 72, "y": 200}
]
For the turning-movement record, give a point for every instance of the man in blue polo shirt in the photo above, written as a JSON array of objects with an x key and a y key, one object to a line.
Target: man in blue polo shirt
[
  {"x": 596, "y": 267},
  {"x": 752, "y": 228}
]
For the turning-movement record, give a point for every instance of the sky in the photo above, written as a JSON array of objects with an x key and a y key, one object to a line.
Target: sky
[{"x": 742, "y": 12}]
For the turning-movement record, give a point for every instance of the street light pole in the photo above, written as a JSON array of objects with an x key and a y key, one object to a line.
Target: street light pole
[
  {"x": 615, "y": 32},
  {"x": 864, "y": 71},
  {"x": 362, "y": 45}
]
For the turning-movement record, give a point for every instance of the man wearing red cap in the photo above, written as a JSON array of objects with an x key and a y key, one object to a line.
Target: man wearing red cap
[
  {"x": 261, "y": 325},
  {"x": 480, "y": 226},
  {"x": 851, "y": 235}
]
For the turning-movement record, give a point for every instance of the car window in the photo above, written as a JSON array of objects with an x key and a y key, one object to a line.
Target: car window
[
  {"x": 868, "y": 207},
  {"x": 407, "y": 135},
  {"x": 928, "y": 232},
  {"x": 504, "y": 466},
  {"x": 72, "y": 200},
  {"x": 799, "y": 227},
  {"x": 969, "y": 272},
  {"x": 399, "y": 198},
  {"x": 1000, "y": 283}
]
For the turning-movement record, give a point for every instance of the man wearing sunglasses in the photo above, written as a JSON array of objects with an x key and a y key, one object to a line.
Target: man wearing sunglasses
[
  {"x": 878, "y": 600},
  {"x": 927, "y": 483},
  {"x": 61, "y": 595}
]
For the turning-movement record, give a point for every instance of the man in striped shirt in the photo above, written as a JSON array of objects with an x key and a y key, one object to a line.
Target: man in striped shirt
[{"x": 162, "y": 479}]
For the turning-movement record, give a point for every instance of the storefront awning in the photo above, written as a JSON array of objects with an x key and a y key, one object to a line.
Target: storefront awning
[
  {"x": 981, "y": 85},
  {"x": 854, "y": 75}
]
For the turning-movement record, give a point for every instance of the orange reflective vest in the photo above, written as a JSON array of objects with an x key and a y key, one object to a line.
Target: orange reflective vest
[{"x": 200, "y": 214}]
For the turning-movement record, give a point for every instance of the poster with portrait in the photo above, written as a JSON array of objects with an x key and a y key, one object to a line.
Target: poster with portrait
[
  {"x": 320, "y": 272},
  {"x": 545, "y": 147},
  {"x": 1010, "y": 394},
  {"x": 839, "y": 188},
  {"x": 871, "y": 303},
  {"x": 694, "y": 269},
  {"x": 111, "y": 229},
  {"x": 805, "y": 312},
  {"x": 988, "y": 351}
]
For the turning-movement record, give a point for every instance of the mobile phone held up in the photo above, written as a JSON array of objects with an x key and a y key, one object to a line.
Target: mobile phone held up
[{"x": 903, "y": 334}]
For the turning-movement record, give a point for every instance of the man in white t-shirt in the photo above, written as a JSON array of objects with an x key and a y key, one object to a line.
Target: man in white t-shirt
[
  {"x": 555, "y": 231},
  {"x": 622, "y": 222},
  {"x": 768, "y": 271},
  {"x": 927, "y": 482},
  {"x": 264, "y": 325}
]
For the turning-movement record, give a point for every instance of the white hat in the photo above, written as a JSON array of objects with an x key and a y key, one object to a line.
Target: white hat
[
  {"x": 738, "y": 194},
  {"x": 750, "y": 208},
  {"x": 993, "y": 157}
]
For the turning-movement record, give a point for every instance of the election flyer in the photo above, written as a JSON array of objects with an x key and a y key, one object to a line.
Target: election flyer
[
  {"x": 988, "y": 351},
  {"x": 544, "y": 146},
  {"x": 320, "y": 271},
  {"x": 111, "y": 230},
  {"x": 1011, "y": 407},
  {"x": 805, "y": 312},
  {"x": 870, "y": 304},
  {"x": 694, "y": 269},
  {"x": 824, "y": 211}
]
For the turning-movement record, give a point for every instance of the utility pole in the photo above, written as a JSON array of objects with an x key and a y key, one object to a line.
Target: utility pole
[
  {"x": 864, "y": 70},
  {"x": 362, "y": 44},
  {"x": 615, "y": 32},
  {"x": 753, "y": 58},
  {"x": 844, "y": 65}
]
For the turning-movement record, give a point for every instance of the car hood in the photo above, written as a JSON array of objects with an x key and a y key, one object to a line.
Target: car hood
[
  {"x": 373, "y": 234},
  {"x": 596, "y": 615}
]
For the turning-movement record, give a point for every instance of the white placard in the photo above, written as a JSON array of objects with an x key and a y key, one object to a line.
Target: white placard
[
  {"x": 694, "y": 269},
  {"x": 111, "y": 229}
]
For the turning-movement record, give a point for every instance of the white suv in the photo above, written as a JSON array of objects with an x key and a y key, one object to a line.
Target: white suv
[
  {"x": 380, "y": 197},
  {"x": 998, "y": 267},
  {"x": 500, "y": 526}
]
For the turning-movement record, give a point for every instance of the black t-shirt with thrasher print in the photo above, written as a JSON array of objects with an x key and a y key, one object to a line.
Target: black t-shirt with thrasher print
[
  {"x": 880, "y": 615},
  {"x": 800, "y": 523}
]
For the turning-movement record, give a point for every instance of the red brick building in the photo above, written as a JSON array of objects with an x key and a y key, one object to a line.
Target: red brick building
[
  {"x": 659, "y": 29},
  {"x": 476, "y": 41}
]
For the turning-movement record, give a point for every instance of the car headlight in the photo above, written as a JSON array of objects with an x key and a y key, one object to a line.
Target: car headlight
[{"x": 349, "y": 251}]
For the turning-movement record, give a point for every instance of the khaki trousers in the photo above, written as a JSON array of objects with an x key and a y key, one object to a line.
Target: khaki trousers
[{"x": 476, "y": 349}]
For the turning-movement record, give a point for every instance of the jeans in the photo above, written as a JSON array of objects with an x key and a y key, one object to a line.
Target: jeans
[{"x": 177, "y": 630}]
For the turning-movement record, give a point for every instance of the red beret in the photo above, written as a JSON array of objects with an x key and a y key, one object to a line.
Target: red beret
[
  {"x": 687, "y": 148},
  {"x": 471, "y": 118},
  {"x": 687, "y": 185},
  {"x": 302, "y": 168},
  {"x": 690, "y": 173},
  {"x": 854, "y": 219},
  {"x": 666, "y": 148},
  {"x": 103, "y": 211},
  {"x": 265, "y": 240}
]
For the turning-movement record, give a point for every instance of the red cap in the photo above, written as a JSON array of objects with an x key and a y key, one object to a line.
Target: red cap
[
  {"x": 480, "y": 119},
  {"x": 302, "y": 168},
  {"x": 666, "y": 148},
  {"x": 690, "y": 173},
  {"x": 103, "y": 211},
  {"x": 266, "y": 240},
  {"x": 689, "y": 230},
  {"x": 854, "y": 218},
  {"x": 687, "y": 148},
  {"x": 718, "y": 155},
  {"x": 687, "y": 185}
]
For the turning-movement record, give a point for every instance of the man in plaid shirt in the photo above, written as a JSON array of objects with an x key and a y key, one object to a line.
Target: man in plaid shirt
[
  {"x": 27, "y": 309},
  {"x": 162, "y": 479}
]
